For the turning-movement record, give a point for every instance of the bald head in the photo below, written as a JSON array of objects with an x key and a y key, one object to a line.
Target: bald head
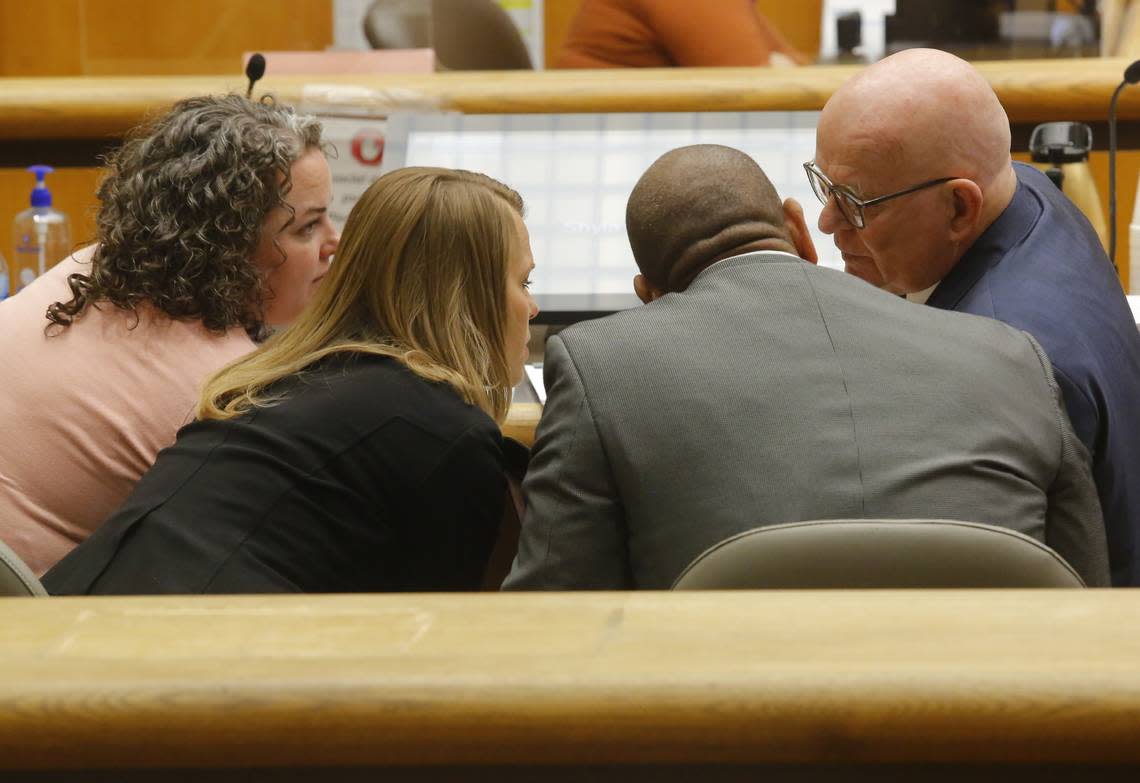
[
  {"x": 918, "y": 118},
  {"x": 696, "y": 205},
  {"x": 927, "y": 113}
]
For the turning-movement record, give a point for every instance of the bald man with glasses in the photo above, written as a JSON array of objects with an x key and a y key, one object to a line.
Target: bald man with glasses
[
  {"x": 753, "y": 387},
  {"x": 920, "y": 194}
]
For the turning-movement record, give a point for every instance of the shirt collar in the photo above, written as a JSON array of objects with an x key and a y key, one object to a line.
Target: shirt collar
[{"x": 920, "y": 297}]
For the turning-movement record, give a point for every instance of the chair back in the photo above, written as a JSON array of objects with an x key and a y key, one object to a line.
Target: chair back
[
  {"x": 877, "y": 553},
  {"x": 398, "y": 24},
  {"x": 476, "y": 35},
  {"x": 467, "y": 35},
  {"x": 16, "y": 579}
]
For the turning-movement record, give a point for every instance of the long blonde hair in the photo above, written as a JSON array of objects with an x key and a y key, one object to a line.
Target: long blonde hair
[{"x": 420, "y": 276}]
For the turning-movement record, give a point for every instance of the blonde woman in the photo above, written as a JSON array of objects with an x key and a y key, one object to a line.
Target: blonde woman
[{"x": 358, "y": 450}]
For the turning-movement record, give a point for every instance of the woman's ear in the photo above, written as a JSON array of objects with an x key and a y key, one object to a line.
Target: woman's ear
[{"x": 798, "y": 230}]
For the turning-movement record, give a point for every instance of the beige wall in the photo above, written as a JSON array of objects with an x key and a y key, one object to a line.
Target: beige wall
[{"x": 135, "y": 38}]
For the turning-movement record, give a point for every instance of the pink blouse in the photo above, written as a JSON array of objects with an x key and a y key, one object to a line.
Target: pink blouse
[{"x": 83, "y": 413}]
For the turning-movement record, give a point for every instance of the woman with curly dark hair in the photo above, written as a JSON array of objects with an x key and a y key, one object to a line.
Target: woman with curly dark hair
[{"x": 212, "y": 228}]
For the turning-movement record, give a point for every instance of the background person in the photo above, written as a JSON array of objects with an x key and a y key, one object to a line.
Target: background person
[
  {"x": 986, "y": 236},
  {"x": 663, "y": 33},
  {"x": 212, "y": 225},
  {"x": 357, "y": 451},
  {"x": 755, "y": 388}
]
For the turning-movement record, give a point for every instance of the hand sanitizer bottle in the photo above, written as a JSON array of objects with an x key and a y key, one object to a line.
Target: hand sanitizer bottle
[{"x": 41, "y": 235}]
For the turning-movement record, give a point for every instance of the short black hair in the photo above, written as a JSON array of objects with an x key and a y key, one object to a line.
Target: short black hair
[{"x": 695, "y": 204}]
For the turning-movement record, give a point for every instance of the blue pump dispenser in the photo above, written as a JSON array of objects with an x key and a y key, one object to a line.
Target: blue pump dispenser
[{"x": 41, "y": 196}]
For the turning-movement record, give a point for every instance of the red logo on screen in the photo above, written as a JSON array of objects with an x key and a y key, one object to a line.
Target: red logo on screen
[{"x": 368, "y": 147}]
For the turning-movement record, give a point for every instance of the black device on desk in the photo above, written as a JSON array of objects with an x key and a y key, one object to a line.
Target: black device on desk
[{"x": 1057, "y": 143}]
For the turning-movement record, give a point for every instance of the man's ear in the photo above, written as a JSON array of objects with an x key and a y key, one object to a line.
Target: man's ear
[
  {"x": 798, "y": 230},
  {"x": 966, "y": 202},
  {"x": 645, "y": 290}
]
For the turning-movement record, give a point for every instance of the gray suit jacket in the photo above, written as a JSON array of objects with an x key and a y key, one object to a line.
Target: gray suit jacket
[{"x": 773, "y": 391}]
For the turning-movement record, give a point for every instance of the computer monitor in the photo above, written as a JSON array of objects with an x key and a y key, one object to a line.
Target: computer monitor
[{"x": 575, "y": 172}]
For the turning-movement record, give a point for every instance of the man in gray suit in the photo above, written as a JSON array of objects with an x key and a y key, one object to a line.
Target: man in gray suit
[{"x": 754, "y": 388}]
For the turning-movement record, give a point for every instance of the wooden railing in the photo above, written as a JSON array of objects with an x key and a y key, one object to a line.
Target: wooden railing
[
  {"x": 54, "y": 114},
  {"x": 1030, "y": 90},
  {"x": 957, "y": 684}
]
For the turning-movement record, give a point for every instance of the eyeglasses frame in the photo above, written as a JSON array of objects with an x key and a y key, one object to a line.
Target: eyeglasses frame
[{"x": 813, "y": 170}]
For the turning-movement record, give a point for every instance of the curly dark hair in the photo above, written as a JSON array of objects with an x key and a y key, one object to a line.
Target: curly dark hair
[{"x": 181, "y": 211}]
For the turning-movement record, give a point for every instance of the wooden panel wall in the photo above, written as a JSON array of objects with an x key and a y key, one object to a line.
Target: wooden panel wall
[
  {"x": 135, "y": 38},
  {"x": 557, "y": 15},
  {"x": 798, "y": 21},
  {"x": 145, "y": 37},
  {"x": 56, "y": 53}
]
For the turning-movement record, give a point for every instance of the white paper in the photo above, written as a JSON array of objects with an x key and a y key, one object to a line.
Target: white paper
[{"x": 534, "y": 375}]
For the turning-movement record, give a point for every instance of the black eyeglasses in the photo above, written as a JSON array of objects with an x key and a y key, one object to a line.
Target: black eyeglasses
[{"x": 850, "y": 205}]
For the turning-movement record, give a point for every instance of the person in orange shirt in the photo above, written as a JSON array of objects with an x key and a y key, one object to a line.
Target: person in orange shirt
[{"x": 662, "y": 33}]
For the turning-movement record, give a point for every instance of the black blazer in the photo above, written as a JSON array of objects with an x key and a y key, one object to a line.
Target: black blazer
[{"x": 364, "y": 478}]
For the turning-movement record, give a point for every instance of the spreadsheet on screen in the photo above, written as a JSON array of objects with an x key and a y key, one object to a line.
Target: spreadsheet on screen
[{"x": 575, "y": 173}]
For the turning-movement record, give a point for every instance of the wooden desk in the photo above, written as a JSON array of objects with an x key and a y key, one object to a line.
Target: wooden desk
[
  {"x": 795, "y": 685},
  {"x": 521, "y": 421}
]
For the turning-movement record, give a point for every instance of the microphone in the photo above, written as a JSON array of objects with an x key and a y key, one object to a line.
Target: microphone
[
  {"x": 255, "y": 69},
  {"x": 1132, "y": 73},
  {"x": 1131, "y": 76}
]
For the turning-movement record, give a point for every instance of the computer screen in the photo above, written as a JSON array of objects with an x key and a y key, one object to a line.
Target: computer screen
[{"x": 575, "y": 172}]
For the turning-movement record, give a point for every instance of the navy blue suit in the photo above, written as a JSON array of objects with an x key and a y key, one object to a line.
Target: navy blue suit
[{"x": 1040, "y": 267}]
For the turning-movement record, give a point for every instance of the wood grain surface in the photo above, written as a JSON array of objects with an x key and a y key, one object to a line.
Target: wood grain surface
[
  {"x": 1030, "y": 90},
  {"x": 136, "y": 37},
  {"x": 521, "y": 421},
  {"x": 41, "y": 109},
  {"x": 1016, "y": 677}
]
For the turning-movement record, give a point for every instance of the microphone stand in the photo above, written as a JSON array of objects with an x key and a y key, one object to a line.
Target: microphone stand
[{"x": 1131, "y": 76}]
